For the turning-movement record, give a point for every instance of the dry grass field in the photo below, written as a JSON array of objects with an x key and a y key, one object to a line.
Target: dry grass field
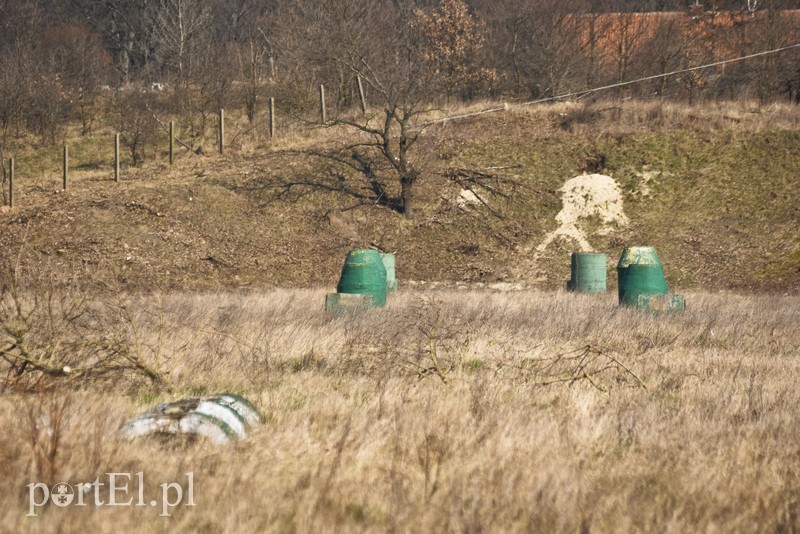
[{"x": 448, "y": 410}]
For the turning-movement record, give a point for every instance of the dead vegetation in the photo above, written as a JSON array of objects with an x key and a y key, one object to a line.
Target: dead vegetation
[
  {"x": 452, "y": 410},
  {"x": 50, "y": 339}
]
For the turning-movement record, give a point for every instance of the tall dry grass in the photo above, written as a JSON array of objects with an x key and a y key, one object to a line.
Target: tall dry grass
[{"x": 447, "y": 410}]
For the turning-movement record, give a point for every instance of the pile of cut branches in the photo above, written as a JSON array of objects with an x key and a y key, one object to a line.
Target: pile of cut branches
[
  {"x": 589, "y": 364},
  {"x": 49, "y": 339}
]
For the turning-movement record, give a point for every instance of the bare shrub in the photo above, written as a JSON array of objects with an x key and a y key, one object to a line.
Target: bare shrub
[
  {"x": 134, "y": 120},
  {"x": 84, "y": 66},
  {"x": 46, "y": 418},
  {"x": 49, "y": 339},
  {"x": 49, "y": 107}
]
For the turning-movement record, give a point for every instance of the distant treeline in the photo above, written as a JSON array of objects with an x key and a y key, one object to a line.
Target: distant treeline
[{"x": 58, "y": 58}]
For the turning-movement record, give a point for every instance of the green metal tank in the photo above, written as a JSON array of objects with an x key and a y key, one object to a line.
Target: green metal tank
[
  {"x": 588, "y": 273},
  {"x": 363, "y": 273},
  {"x": 639, "y": 273},
  {"x": 391, "y": 279}
]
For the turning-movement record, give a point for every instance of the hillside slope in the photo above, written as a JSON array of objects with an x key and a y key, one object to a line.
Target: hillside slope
[{"x": 714, "y": 190}]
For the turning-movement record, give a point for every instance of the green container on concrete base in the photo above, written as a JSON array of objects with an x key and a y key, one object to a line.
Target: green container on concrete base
[
  {"x": 639, "y": 273},
  {"x": 588, "y": 273},
  {"x": 391, "y": 279},
  {"x": 363, "y": 273}
]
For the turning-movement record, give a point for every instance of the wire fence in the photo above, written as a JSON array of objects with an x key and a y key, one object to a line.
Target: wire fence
[{"x": 8, "y": 166}]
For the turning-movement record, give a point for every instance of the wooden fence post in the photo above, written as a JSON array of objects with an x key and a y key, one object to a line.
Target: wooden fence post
[
  {"x": 66, "y": 166},
  {"x": 171, "y": 142},
  {"x": 11, "y": 182},
  {"x": 322, "y": 112},
  {"x": 361, "y": 95},
  {"x": 116, "y": 157},
  {"x": 221, "y": 131},
  {"x": 272, "y": 117}
]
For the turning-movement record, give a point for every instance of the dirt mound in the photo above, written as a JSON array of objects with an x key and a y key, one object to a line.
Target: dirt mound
[{"x": 586, "y": 196}]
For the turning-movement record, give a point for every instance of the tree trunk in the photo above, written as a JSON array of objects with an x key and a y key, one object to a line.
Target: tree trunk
[{"x": 407, "y": 196}]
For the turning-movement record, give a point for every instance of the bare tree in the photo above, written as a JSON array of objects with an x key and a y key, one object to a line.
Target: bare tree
[
  {"x": 699, "y": 48},
  {"x": 178, "y": 26},
  {"x": 214, "y": 75},
  {"x": 377, "y": 162},
  {"x": 537, "y": 46},
  {"x": 663, "y": 50},
  {"x": 256, "y": 65},
  {"x": 20, "y": 25},
  {"x": 135, "y": 122},
  {"x": 630, "y": 31},
  {"x": 316, "y": 39},
  {"x": 450, "y": 40},
  {"x": 84, "y": 64},
  {"x": 773, "y": 28},
  {"x": 126, "y": 27},
  {"x": 245, "y": 36}
]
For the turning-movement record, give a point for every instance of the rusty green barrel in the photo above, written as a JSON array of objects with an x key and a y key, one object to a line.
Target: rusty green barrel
[
  {"x": 588, "y": 273},
  {"x": 391, "y": 279},
  {"x": 363, "y": 273},
  {"x": 639, "y": 273}
]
